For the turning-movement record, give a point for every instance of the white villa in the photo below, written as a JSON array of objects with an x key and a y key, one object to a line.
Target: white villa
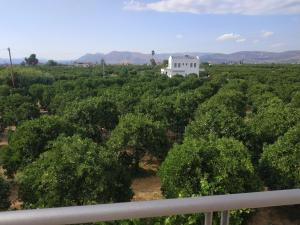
[{"x": 182, "y": 65}]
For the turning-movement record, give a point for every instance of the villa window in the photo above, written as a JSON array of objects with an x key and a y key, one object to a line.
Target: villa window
[
  {"x": 191, "y": 65},
  {"x": 175, "y": 65},
  {"x": 195, "y": 65}
]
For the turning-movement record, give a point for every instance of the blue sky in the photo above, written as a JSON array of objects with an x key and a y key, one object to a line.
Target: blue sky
[{"x": 67, "y": 29}]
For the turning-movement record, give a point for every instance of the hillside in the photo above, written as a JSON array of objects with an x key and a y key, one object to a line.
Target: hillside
[
  {"x": 256, "y": 57},
  {"x": 127, "y": 57}
]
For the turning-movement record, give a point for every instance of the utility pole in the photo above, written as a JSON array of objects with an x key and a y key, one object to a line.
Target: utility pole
[
  {"x": 103, "y": 69},
  {"x": 11, "y": 69},
  {"x": 103, "y": 62}
]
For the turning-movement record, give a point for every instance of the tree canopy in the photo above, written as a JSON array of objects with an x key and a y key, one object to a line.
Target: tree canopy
[
  {"x": 273, "y": 120},
  {"x": 32, "y": 60},
  {"x": 227, "y": 128},
  {"x": 16, "y": 108},
  {"x": 30, "y": 139},
  {"x": 220, "y": 121},
  {"x": 52, "y": 63},
  {"x": 73, "y": 171},
  {"x": 4, "y": 194},
  {"x": 280, "y": 162},
  {"x": 137, "y": 135},
  {"x": 95, "y": 115},
  {"x": 207, "y": 167}
]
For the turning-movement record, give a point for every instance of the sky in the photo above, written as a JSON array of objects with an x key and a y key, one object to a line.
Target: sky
[{"x": 68, "y": 29}]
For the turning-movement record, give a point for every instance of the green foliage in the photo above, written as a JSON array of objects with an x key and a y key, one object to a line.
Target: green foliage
[
  {"x": 137, "y": 135},
  {"x": 254, "y": 104},
  {"x": 2, "y": 125},
  {"x": 96, "y": 116},
  {"x": 26, "y": 76},
  {"x": 32, "y": 60},
  {"x": 4, "y": 194},
  {"x": 201, "y": 167},
  {"x": 73, "y": 171},
  {"x": 175, "y": 110},
  {"x": 36, "y": 91},
  {"x": 16, "y": 108},
  {"x": 152, "y": 62},
  {"x": 165, "y": 62},
  {"x": 295, "y": 102},
  {"x": 280, "y": 162},
  {"x": 217, "y": 120},
  {"x": 52, "y": 63},
  {"x": 231, "y": 99},
  {"x": 4, "y": 90},
  {"x": 29, "y": 140},
  {"x": 26, "y": 71},
  {"x": 207, "y": 167},
  {"x": 260, "y": 101},
  {"x": 273, "y": 120}
]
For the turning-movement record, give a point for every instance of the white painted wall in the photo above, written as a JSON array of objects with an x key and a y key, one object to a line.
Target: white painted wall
[{"x": 182, "y": 65}]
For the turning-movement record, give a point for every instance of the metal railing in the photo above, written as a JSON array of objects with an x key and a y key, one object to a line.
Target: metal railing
[{"x": 156, "y": 208}]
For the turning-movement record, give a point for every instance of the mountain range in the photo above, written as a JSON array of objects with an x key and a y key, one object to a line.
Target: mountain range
[
  {"x": 124, "y": 57},
  {"x": 117, "y": 57}
]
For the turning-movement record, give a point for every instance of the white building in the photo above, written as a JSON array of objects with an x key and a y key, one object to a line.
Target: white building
[{"x": 182, "y": 65}]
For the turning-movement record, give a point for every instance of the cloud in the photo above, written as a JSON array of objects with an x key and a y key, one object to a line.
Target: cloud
[
  {"x": 179, "y": 36},
  {"x": 134, "y": 5},
  {"x": 255, "y": 41},
  {"x": 243, "y": 7},
  {"x": 241, "y": 40},
  {"x": 266, "y": 34},
  {"x": 231, "y": 37}
]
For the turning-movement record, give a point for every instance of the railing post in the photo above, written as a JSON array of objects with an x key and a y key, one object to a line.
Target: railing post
[
  {"x": 208, "y": 218},
  {"x": 224, "y": 218}
]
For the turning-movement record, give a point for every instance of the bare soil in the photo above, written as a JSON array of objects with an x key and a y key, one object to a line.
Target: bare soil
[
  {"x": 146, "y": 188},
  {"x": 3, "y": 138},
  {"x": 147, "y": 185},
  {"x": 4, "y": 135},
  {"x": 276, "y": 216},
  {"x": 15, "y": 203}
]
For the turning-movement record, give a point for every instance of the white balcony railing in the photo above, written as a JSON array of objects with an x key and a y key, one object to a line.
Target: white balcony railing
[{"x": 156, "y": 208}]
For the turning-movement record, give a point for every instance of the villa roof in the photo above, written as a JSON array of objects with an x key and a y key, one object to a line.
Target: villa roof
[{"x": 184, "y": 57}]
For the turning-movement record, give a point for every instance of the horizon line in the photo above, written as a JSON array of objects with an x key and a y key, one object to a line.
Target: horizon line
[{"x": 141, "y": 52}]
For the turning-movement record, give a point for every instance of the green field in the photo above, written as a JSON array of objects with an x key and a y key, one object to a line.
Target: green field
[{"x": 81, "y": 135}]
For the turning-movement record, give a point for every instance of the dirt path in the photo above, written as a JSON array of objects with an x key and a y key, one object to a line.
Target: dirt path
[
  {"x": 147, "y": 186},
  {"x": 3, "y": 138},
  {"x": 4, "y": 135}
]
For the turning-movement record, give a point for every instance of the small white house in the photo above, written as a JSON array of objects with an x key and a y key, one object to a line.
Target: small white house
[{"x": 182, "y": 65}]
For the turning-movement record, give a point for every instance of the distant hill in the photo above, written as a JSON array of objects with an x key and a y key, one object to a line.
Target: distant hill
[
  {"x": 124, "y": 57},
  {"x": 20, "y": 60},
  {"x": 6, "y": 61},
  {"x": 117, "y": 57},
  {"x": 254, "y": 57}
]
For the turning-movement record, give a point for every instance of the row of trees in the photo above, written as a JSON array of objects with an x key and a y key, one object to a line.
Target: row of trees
[
  {"x": 32, "y": 60},
  {"x": 235, "y": 132}
]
